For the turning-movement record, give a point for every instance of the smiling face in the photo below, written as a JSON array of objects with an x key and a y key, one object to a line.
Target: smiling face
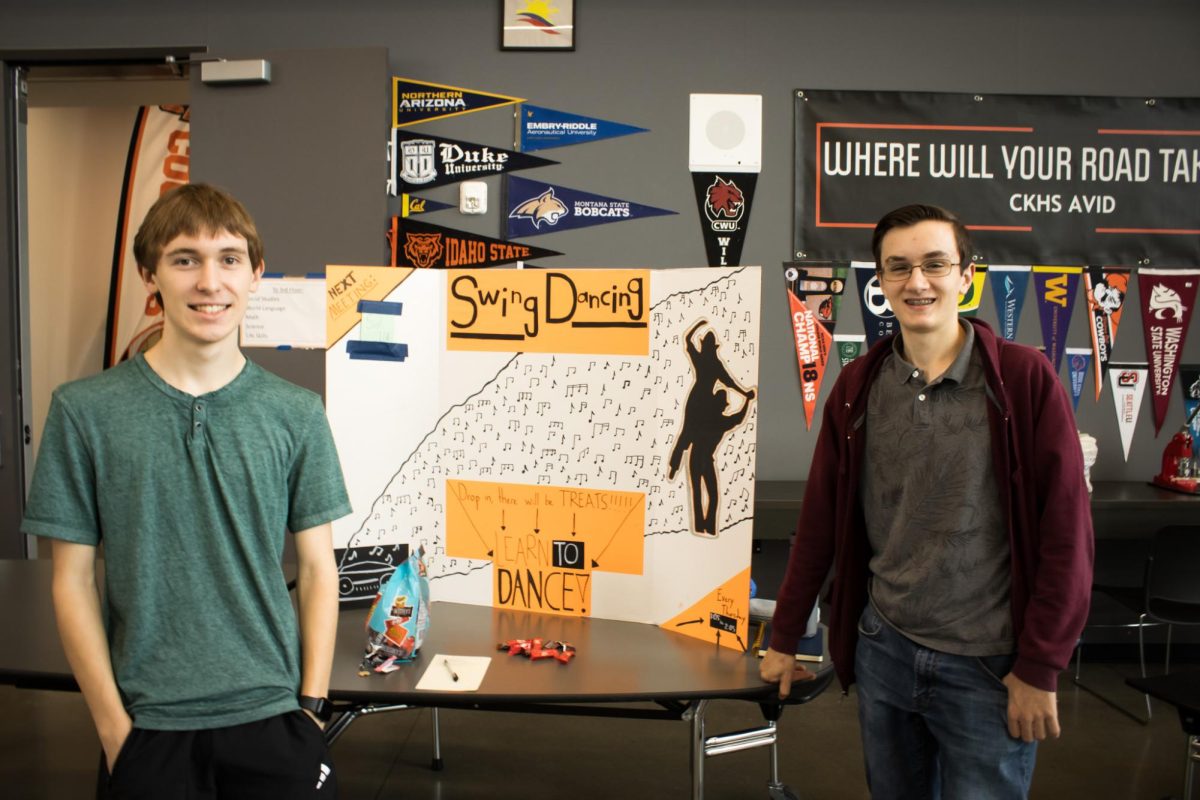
[
  {"x": 204, "y": 281},
  {"x": 924, "y": 305}
]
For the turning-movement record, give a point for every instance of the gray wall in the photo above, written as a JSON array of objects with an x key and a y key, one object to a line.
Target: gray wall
[{"x": 636, "y": 62}]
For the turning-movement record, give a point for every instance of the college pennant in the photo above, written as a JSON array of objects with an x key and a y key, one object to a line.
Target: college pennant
[
  {"x": 1078, "y": 359},
  {"x": 1128, "y": 385},
  {"x": 723, "y": 200},
  {"x": 428, "y": 161},
  {"x": 813, "y": 340},
  {"x": 419, "y": 101},
  {"x": 1106, "y": 289},
  {"x": 1055, "y": 291},
  {"x": 420, "y": 244},
  {"x": 411, "y": 204},
  {"x": 968, "y": 304},
  {"x": 543, "y": 128},
  {"x": 878, "y": 318},
  {"x": 1189, "y": 382},
  {"x": 849, "y": 346},
  {"x": 535, "y": 207},
  {"x": 1168, "y": 297},
  {"x": 1008, "y": 289}
]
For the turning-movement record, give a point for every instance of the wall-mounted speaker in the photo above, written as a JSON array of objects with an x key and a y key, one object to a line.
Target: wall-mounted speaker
[{"x": 725, "y": 134}]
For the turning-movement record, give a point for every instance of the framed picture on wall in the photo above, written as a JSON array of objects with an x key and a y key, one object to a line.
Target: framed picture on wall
[{"x": 537, "y": 25}]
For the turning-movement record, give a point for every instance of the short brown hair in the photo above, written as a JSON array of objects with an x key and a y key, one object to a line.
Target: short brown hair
[
  {"x": 193, "y": 209},
  {"x": 907, "y": 216}
]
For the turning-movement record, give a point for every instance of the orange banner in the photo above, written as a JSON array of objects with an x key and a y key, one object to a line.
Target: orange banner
[{"x": 813, "y": 343}]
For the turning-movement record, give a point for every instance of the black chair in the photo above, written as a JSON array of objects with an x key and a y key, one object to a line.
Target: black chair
[
  {"x": 1182, "y": 690},
  {"x": 1169, "y": 595}
]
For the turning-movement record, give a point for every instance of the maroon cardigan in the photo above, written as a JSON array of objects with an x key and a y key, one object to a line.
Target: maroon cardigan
[{"x": 1039, "y": 469}]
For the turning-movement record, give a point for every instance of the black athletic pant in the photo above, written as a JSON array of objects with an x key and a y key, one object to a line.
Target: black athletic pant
[{"x": 278, "y": 757}]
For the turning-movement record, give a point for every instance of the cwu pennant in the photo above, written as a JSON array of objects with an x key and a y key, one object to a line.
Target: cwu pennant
[
  {"x": 422, "y": 161},
  {"x": 536, "y": 207},
  {"x": 420, "y": 244},
  {"x": 542, "y": 128},
  {"x": 419, "y": 101}
]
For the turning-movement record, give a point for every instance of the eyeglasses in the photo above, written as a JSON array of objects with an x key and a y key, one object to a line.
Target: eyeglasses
[{"x": 933, "y": 268}]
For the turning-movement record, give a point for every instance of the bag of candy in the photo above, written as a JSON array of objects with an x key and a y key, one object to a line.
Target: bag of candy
[{"x": 399, "y": 617}]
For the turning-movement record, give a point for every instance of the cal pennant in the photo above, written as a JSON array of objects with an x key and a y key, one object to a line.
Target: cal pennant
[
  {"x": 1008, "y": 288},
  {"x": 878, "y": 318},
  {"x": 1168, "y": 297},
  {"x": 419, "y": 101},
  {"x": 968, "y": 304},
  {"x": 1128, "y": 386},
  {"x": 412, "y": 204},
  {"x": 535, "y": 207},
  {"x": 813, "y": 340},
  {"x": 420, "y": 244},
  {"x": 849, "y": 346},
  {"x": 1055, "y": 289},
  {"x": 427, "y": 161},
  {"x": 1189, "y": 382},
  {"x": 724, "y": 204},
  {"x": 1106, "y": 289},
  {"x": 1078, "y": 359},
  {"x": 543, "y": 128}
]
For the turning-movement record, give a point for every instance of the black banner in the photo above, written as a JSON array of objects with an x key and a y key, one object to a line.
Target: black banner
[
  {"x": 427, "y": 246},
  {"x": 723, "y": 200},
  {"x": 422, "y": 161},
  {"x": 1037, "y": 179}
]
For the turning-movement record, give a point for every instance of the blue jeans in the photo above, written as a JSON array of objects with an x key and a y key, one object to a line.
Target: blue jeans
[{"x": 933, "y": 724}]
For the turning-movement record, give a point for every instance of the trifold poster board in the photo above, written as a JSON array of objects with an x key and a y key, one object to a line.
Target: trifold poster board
[{"x": 576, "y": 442}]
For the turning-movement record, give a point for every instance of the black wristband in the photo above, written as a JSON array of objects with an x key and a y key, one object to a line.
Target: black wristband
[{"x": 320, "y": 707}]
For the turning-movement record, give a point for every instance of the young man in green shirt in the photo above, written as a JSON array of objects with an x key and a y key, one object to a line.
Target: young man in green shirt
[{"x": 189, "y": 463}]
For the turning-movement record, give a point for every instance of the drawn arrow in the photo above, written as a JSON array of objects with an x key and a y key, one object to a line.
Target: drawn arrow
[
  {"x": 596, "y": 561},
  {"x": 471, "y": 522},
  {"x": 572, "y": 524},
  {"x": 502, "y": 519},
  {"x": 696, "y": 621},
  {"x": 536, "y": 512},
  {"x": 743, "y": 644}
]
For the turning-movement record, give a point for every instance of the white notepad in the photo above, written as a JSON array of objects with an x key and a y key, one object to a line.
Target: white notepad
[{"x": 469, "y": 669}]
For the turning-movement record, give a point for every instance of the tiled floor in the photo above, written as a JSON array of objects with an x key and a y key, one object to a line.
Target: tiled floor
[{"x": 48, "y": 750}]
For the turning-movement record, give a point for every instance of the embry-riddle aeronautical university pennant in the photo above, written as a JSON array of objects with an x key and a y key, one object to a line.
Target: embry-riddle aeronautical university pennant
[
  {"x": 811, "y": 290},
  {"x": 1078, "y": 359},
  {"x": 543, "y": 128},
  {"x": 724, "y": 203},
  {"x": 1168, "y": 297},
  {"x": 1008, "y": 288},
  {"x": 1128, "y": 386},
  {"x": 425, "y": 161},
  {"x": 878, "y": 318},
  {"x": 419, "y": 101},
  {"x": 1106, "y": 289},
  {"x": 420, "y": 244},
  {"x": 536, "y": 207},
  {"x": 1055, "y": 291}
]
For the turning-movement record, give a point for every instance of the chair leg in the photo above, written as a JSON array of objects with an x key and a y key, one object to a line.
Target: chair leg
[
  {"x": 1078, "y": 658},
  {"x": 1142, "y": 660},
  {"x": 1167, "y": 662},
  {"x": 1193, "y": 755}
]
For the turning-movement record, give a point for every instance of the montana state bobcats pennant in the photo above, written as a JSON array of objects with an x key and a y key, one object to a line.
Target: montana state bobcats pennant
[
  {"x": 724, "y": 204},
  {"x": 535, "y": 207},
  {"x": 1055, "y": 291},
  {"x": 813, "y": 340},
  {"x": 420, "y": 244},
  {"x": 1168, "y": 297},
  {"x": 418, "y": 101},
  {"x": 1106, "y": 288},
  {"x": 427, "y": 161}
]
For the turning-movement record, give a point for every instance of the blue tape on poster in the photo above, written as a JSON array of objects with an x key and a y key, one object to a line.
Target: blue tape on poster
[
  {"x": 376, "y": 351},
  {"x": 379, "y": 307},
  {"x": 274, "y": 275},
  {"x": 315, "y": 276}
]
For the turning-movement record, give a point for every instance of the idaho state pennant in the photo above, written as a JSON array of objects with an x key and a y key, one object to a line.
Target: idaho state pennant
[
  {"x": 813, "y": 340},
  {"x": 1078, "y": 359},
  {"x": 420, "y": 244},
  {"x": 1055, "y": 288},
  {"x": 1106, "y": 288},
  {"x": 968, "y": 304},
  {"x": 724, "y": 203},
  {"x": 1168, "y": 297},
  {"x": 418, "y": 101},
  {"x": 878, "y": 318},
  {"x": 1008, "y": 289},
  {"x": 535, "y": 207},
  {"x": 1128, "y": 386},
  {"x": 428, "y": 161}
]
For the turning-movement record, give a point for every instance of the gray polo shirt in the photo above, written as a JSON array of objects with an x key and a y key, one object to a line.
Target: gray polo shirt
[{"x": 940, "y": 552}]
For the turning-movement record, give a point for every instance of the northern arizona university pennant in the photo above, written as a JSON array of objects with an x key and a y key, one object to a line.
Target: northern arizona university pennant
[
  {"x": 1168, "y": 297},
  {"x": 813, "y": 340},
  {"x": 419, "y": 101},
  {"x": 1106, "y": 289},
  {"x": 724, "y": 202},
  {"x": 1008, "y": 289},
  {"x": 1128, "y": 386},
  {"x": 426, "y": 161},
  {"x": 420, "y": 244},
  {"x": 543, "y": 128},
  {"x": 1055, "y": 289},
  {"x": 536, "y": 207},
  {"x": 878, "y": 318}
]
